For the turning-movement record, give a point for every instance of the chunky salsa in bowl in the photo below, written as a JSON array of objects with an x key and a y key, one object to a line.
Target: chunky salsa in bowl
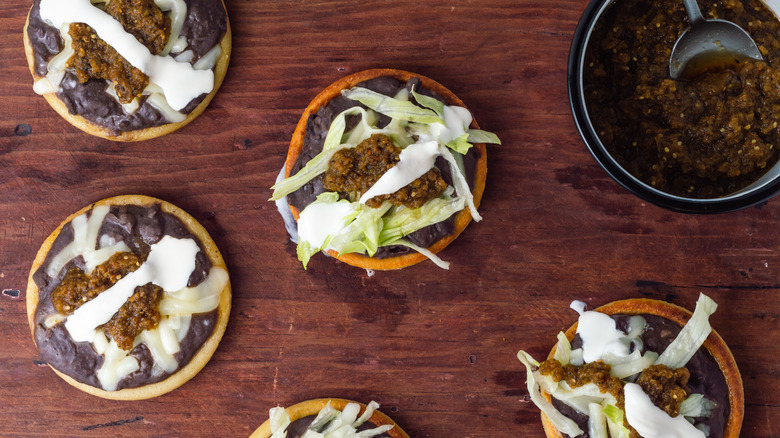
[{"x": 702, "y": 144}]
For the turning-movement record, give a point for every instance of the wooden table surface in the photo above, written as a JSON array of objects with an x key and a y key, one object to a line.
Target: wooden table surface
[{"x": 436, "y": 348}]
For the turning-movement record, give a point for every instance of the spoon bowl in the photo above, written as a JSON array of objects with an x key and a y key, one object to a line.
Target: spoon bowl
[{"x": 709, "y": 45}]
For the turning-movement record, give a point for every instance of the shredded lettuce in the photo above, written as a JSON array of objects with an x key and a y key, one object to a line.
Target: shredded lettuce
[
  {"x": 315, "y": 167},
  {"x": 581, "y": 397},
  {"x": 332, "y": 423},
  {"x": 576, "y": 358},
  {"x": 615, "y": 418},
  {"x": 460, "y": 145},
  {"x": 480, "y": 136},
  {"x": 691, "y": 337},
  {"x": 597, "y": 421},
  {"x": 562, "y": 349},
  {"x": 363, "y": 234},
  {"x": 304, "y": 251},
  {"x": 364, "y": 129},
  {"x": 696, "y": 405},
  {"x": 636, "y": 325},
  {"x": 429, "y": 102},
  {"x": 424, "y": 251},
  {"x": 401, "y": 220},
  {"x": 370, "y": 408},
  {"x": 335, "y": 136},
  {"x": 392, "y": 107},
  {"x": 326, "y": 415},
  {"x": 461, "y": 185},
  {"x": 561, "y": 422},
  {"x": 279, "y": 421},
  {"x": 627, "y": 366}
]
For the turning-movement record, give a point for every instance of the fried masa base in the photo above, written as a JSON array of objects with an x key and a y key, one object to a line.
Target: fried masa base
[
  {"x": 200, "y": 358},
  {"x": 714, "y": 345},
  {"x": 85, "y": 125},
  {"x": 463, "y": 217},
  {"x": 312, "y": 407}
]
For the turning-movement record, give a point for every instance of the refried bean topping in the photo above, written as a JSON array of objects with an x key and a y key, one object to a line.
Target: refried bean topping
[
  {"x": 94, "y": 58},
  {"x": 352, "y": 172},
  {"x": 140, "y": 312}
]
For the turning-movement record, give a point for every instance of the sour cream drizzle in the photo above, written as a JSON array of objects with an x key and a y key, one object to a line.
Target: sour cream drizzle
[
  {"x": 169, "y": 265},
  {"x": 179, "y": 81},
  {"x": 416, "y": 160},
  {"x": 652, "y": 422},
  {"x": 456, "y": 120},
  {"x": 599, "y": 334},
  {"x": 320, "y": 220}
]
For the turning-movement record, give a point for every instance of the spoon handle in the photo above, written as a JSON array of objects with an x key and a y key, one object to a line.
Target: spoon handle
[{"x": 694, "y": 13}]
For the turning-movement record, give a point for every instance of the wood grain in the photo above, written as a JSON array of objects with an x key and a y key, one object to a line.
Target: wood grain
[{"x": 435, "y": 348}]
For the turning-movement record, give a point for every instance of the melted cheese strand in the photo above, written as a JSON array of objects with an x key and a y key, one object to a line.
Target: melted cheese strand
[
  {"x": 180, "y": 81},
  {"x": 85, "y": 235},
  {"x": 117, "y": 363},
  {"x": 209, "y": 60},
  {"x": 163, "y": 343},
  {"x": 199, "y": 299},
  {"x": 178, "y": 12},
  {"x": 55, "y": 69}
]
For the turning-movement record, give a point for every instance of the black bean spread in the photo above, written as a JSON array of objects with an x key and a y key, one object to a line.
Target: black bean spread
[
  {"x": 667, "y": 388},
  {"x": 316, "y": 130},
  {"x": 352, "y": 172},
  {"x": 203, "y": 28},
  {"x": 94, "y": 58},
  {"x": 703, "y": 137},
  {"x": 298, "y": 428},
  {"x": 138, "y": 227}
]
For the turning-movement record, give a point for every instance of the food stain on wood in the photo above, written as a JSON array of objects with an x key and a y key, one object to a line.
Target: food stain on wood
[{"x": 113, "y": 423}]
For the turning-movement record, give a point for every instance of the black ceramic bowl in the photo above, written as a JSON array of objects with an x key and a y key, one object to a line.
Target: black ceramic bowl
[{"x": 761, "y": 190}]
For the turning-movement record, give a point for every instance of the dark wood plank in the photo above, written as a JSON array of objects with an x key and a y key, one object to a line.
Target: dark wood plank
[{"x": 436, "y": 348}]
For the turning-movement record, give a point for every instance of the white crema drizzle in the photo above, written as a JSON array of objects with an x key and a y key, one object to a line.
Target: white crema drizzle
[
  {"x": 169, "y": 265},
  {"x": 177, "y": 83},
  {"x": 417, "y": 159}
]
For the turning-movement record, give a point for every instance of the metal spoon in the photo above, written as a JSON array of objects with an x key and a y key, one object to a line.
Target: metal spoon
[{"x": 709, "y": 45}]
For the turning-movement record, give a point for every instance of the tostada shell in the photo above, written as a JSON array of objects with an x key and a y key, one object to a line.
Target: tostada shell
[
  {"x": 714, "y": 345},
  {"x": 463, "y": 217},
  {"x": 208, "y": 347},
  {"x": 312, "y": 407},
  {"x": 220, "y": 69}
]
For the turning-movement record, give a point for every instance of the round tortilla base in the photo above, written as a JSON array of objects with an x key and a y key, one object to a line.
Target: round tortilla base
[
  {"x": 714, "y": 344},
  {"x": 312, "y": 407},
  {"x": 141, "y": 134},
  {"x": 206, "y": 350},
  {"x": 463, "y": 217}
]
